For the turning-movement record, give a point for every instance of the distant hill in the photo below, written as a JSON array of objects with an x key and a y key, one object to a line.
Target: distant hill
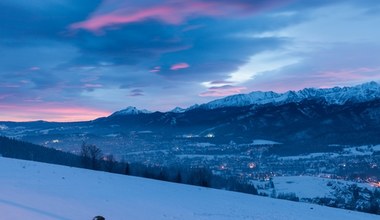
[{"x": 23, "y": 150}]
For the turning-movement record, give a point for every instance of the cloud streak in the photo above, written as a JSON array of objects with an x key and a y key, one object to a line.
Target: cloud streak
[
  {"x": 170, "y": 12},
  {"x": 179, "y": 66},
  {"x": 220, "y": 91},
  {"x": 50, "y": 112},
  {"x": 136, "y": 92}
]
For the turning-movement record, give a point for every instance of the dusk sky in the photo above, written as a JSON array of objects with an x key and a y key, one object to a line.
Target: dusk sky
[{"x": 70, "y": 60}]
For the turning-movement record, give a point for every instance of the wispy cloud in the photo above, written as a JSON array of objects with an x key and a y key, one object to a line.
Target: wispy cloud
[
  {"x": 155, "y": 69},
  {"x": 223, "y": 91},
  {"x": 179, "y": 66},
  {"x": 170, "y": 12},
  {"x": 136, "y": 92},
  {"x": 261, "y": 63},
  {"x": 34, "y": 68}
]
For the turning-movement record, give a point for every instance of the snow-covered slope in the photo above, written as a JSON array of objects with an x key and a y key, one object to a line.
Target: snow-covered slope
[
  {"x": 30, "y": 190},
  {"x": 130, "y": 110},
  {"x": 336, "y": 95}
]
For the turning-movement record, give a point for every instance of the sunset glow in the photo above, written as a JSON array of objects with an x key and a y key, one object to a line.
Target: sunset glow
[{"x": 71, "y": 60}]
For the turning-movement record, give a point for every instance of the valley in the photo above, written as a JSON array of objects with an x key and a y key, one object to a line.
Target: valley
[{"x": 256, "y": 144}]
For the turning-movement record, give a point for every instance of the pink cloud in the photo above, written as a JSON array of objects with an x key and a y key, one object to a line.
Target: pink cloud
[
  {"x": 4, "y": 96},
  {"x": 34, "y": 68},
  {"x": 10, "y": 85},
  {"x": 113, "y": 13},
  {"x": 223, "y": 91},
  {"x": 323, "y": 79},
  {"x": 120, "y": 17},
  {"x": 346, "y": 76},
  {"x": 179, "y": 66},
  {"x": 49, "y": 112},
  {"x": 36, "y": 99},
  {"x": 156, "y": 69}
]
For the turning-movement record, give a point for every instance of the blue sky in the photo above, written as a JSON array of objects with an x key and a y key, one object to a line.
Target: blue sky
[{"x": 68, "y": 60}]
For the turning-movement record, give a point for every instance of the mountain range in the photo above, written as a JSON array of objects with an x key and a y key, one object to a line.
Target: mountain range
[
  {"x": 337, "y": 95},
  {"x": 306, "y": 119}
]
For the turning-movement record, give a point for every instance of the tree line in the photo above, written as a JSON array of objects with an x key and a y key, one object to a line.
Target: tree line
[{"x": 91, "y": 157}]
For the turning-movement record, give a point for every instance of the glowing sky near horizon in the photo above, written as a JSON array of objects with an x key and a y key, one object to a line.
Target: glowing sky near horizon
[{"x": 69, "y": 60}]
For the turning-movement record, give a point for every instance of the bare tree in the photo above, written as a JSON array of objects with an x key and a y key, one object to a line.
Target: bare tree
[{"x": 90, "y": 155}]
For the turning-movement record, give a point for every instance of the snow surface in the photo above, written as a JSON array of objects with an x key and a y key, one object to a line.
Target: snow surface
[
  {"x": 365, "y": 150},
  {"x": 303, "y": 186},
  {"x": 211, "y": 157},
  {"x": 312, "y": 187},
  {"x": 264, "y": 142},
  {"x": 30, "y": 190},
  {"x": 310, "y": 156}
]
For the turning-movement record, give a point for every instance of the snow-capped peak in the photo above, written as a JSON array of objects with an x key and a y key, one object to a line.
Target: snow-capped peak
[
  {"x": 178, "y": 110},
  {"x": 257, "y": 97},
  {"x": 337, "y": 95},
  {"x": 130, "y": 110}
]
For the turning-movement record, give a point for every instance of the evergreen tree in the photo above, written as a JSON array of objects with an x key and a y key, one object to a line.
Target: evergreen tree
[{"x": 126, "y": 170}]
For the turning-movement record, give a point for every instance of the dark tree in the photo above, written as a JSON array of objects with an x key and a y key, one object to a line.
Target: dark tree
[
  {"x": 162, "y": 176},
  {"x": 90, "y": 156},
  {"x": 178, "y": 178},
  {"x": 109, "y": 162},
  {"x": 127, "y": 170},
  {"x": 200, "y": 177}
]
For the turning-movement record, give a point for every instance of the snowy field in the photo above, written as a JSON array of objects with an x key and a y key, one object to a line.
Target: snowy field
[
  {"x": 365, "y": 150},
  {"x": 30, "y": 190},
  {"x": 303, "y": 186},
  {"x": 311, "y": 187}
]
